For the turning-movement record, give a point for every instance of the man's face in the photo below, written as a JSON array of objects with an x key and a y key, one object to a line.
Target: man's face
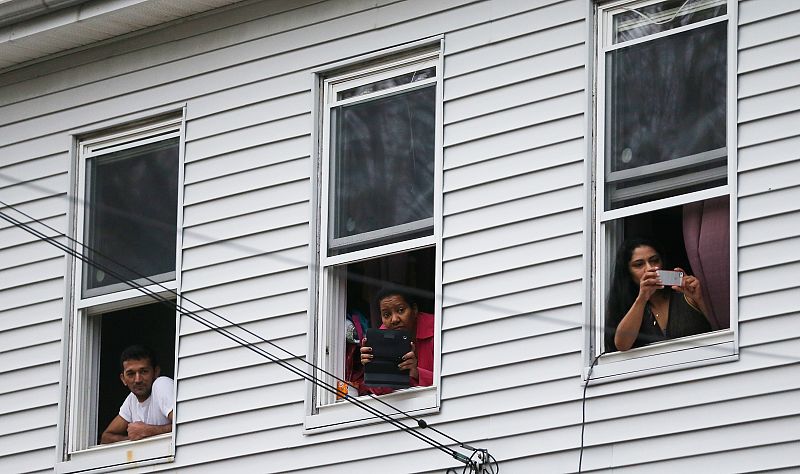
[{"x": 138, "y": 375}]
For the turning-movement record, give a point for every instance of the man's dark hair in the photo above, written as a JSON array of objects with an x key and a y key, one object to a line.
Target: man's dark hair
[{"x": 138, "y": 352}]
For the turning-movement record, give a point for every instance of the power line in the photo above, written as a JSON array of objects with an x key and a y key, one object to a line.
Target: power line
[{"x": 468, "y": 461}]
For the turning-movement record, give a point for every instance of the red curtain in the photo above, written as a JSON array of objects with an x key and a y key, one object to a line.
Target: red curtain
[{"x": 706, "y": 235}]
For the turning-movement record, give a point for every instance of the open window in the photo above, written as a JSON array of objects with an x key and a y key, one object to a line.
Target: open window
[
  {"x": 663, "y": 165},
  {"x": 127, "y": 218},
  {"x": 379, "y": 222}
]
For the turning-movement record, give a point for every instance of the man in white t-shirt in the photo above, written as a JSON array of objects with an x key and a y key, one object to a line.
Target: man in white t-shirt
[{"x": 147, "y": 411}]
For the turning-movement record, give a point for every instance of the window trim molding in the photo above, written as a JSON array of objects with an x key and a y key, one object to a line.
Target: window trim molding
[
  {"x": 669, "y": 355},
  {"x": 92, "y": 461},
  {"x": 428, "y": 399}
]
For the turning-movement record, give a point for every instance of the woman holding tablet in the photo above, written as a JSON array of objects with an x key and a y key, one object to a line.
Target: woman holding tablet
[{"x": 398, "y": 310}]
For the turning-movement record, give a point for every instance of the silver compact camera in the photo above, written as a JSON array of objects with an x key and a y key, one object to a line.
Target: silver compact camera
[{"x": 670, "y": 278}]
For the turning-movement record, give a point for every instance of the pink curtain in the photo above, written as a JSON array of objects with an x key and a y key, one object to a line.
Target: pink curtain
[{"x": 706, "y": 235}]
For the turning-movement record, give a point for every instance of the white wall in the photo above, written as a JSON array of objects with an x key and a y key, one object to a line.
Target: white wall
[{"x": 515, "y": 117}]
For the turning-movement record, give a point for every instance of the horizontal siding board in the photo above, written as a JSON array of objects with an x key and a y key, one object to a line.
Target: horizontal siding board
[
  {"x": 514, "y": 141},
  {"x": 262, "y": 243},
  {"x": 527, "y": 161},
  {"x": 233, "y": 356},
  {"x": 536, "y": 276},
  {"x": 769, "y": 253},
  {"x": 261, "y": 419},
  {"x": 260, "y": 265},
  {"x": 31, "y": 273},
  {"x": 523, "y": 209},
  {"x": 30, "y": 252},
  {"x": 32, "y": 440},
  {"x": 483, "y": 359},
  {"x": 765, "y": 305},
  {"x": 766, "y": 330},
  {"x": 251, "y": 180},
  {"x": 503, "y": 22},
  {"x": 31, "y": 461},
  {"x": 241, "y": 401},
  {"x": 37, "y": 189},
  {"x": 515, "y": 233},
  {"x": 512, "y": 188},
  {"x": 41, "y": 417},
  {"x": 768, "y": 105},
  {"x": 30, "y": 377},
  {"x": 541, "y": 65},
  {"x": 247, "y": 159},
  {"x": 29, "y": 399},
  {"x": 773, "y": 128},
  {"x": 778, "y": 52},
  {"x": 245, "y": 312},
  {"x": 512, "y": 327},
  {"x": 252, "y": 373},
  {"x": 768, "y": 31},
  {"x": 769, "y": 154},
  {"x": 767, "y": 179},
  {"x": 260, "y": 221},
  {"x": 31, "y": 170},
  {"x": 773, "y": 202},
  {"x": 506, "y": 259},
  {"x": 531, "y": 301},
  {"x": 33, "y": 314},
  {"x": 281, "y": 129},
  {"x": 768, "y": 229},
  {"x": 529, "y": 43},
  {"x": 769, "y": 279},
  {"x": 522, "y": 116},
  {"x": 271, "y": 328},
  {"x": 775, "y": 78},
  {"x": 43, "y": 353},
  {"x": 253, "y": 288},
  {"x": 752, "y": 11},
  {"x": 242, "y": 204},
  {"x": 34, "y": 293},
  {"x": 512, "y": 96},
  {"x": 267, "y": 110},
  {"x": 31, "y": 335}
]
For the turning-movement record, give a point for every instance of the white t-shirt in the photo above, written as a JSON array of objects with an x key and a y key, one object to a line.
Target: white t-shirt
[{"x": 155, "y": 409}]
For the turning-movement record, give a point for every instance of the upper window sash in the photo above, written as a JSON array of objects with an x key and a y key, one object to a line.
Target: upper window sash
[
  {"x": 107, "y": 148},
  {"x": 366, "y": 88},
  {"x": 621, "y": 181}
]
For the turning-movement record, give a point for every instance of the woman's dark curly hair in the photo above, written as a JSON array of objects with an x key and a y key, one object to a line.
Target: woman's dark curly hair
[{"x": 623, "y": 290}]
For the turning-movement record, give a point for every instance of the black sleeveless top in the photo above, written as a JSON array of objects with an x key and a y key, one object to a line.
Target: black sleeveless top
[{"x": 683, "y": 321}]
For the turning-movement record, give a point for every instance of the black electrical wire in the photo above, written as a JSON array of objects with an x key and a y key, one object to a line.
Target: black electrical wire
[
  {"x": 238, "y": 339},
  {"x": 583, "y": 407}
]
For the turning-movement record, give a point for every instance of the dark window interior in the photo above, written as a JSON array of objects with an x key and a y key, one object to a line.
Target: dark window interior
[{"x": 152, "y": 325}]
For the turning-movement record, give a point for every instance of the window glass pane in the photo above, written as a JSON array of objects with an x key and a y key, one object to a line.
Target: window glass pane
[
  {"x": 131, "y": 212},
  {"x": 388, "y": 83},
  {"x": 694, "y": 238},
  {"x": 666, "y": 116},
  {"x": 152, "y": 325},
  {"x": 638, "y": 22},
  {"x": 414, "y": 273},
  {"x": 382, "y": 170}
]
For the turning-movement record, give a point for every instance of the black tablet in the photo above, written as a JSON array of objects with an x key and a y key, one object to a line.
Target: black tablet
[{"x": 388, "y": 348}]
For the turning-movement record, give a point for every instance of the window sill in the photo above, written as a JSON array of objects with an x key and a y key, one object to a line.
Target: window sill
[
  {"x": 678, "y": 354},
  {"x": 122, "y": 455},
  {"x": 415, "y": 401}
]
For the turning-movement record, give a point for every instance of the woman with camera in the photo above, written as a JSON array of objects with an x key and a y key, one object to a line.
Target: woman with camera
[{"x": 641, "y": 308}]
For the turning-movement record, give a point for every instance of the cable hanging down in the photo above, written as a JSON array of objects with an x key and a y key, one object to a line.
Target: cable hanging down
[{"x": 478, "y": 462}]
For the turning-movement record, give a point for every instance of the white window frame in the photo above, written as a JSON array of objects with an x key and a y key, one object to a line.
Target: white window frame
[
  {"x": 323, "y": 412},
  {"x": 81, "y": 393},
  {"x": 702, "y": 349}
]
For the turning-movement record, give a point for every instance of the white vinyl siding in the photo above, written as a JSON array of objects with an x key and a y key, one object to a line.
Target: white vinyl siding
[{"x": 515, "y": 115}]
